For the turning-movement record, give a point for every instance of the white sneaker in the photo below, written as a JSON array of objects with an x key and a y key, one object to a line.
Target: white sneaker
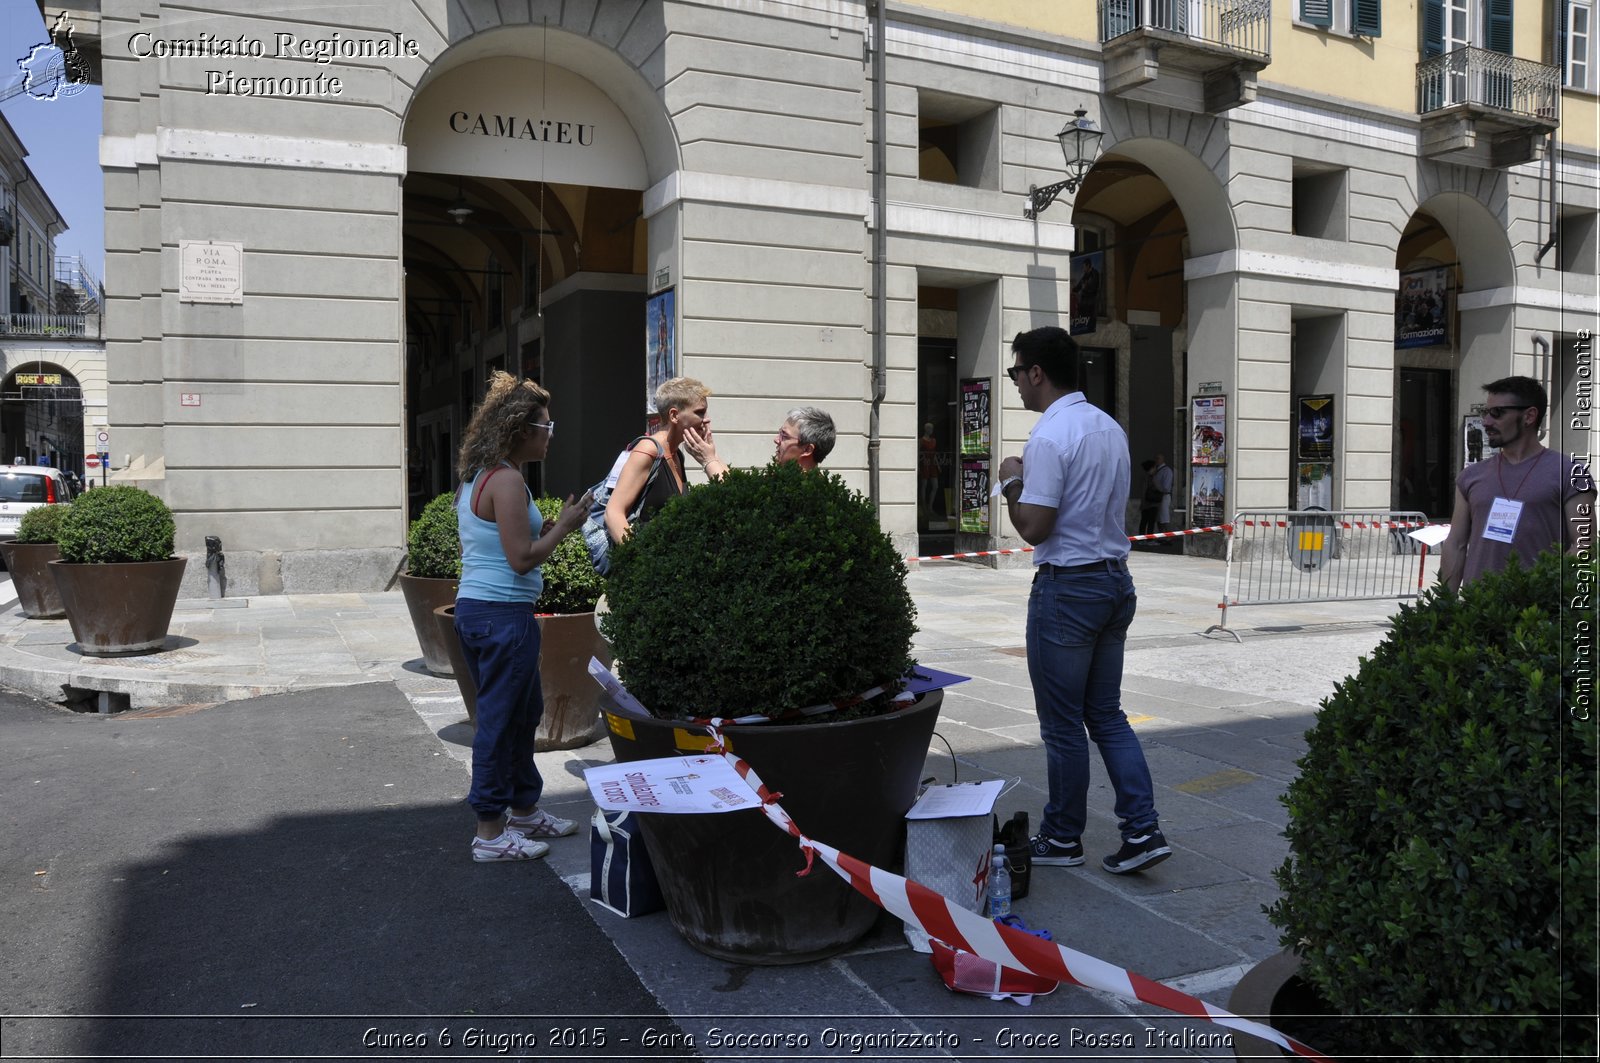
[
  {"x": 509, "y": 846},
  {"x": 540, "y": 825}
]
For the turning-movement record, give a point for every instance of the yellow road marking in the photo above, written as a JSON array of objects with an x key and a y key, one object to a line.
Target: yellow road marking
[{"x": 1216, "y": 782}]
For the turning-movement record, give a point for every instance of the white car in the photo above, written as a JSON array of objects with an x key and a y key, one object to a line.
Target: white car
[{"x": 23, "y": 487}]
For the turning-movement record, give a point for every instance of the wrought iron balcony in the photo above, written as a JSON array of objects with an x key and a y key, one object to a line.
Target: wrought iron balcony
[
  {"x": 51, "y": 326},
  {"x": 1486, "y": 108},
  {"x": 1198, "y": 55}
]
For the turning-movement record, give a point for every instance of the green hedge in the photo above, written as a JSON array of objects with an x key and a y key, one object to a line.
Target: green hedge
[
  {"x": 764, "y": 591},
  {"x": 42, "y": 524},
  {"x": 571, "y": 584},
  {"x": 1443, "y": 827},
  {"x": 116, "y": 524},
  {"x": 433, "y": 544}
]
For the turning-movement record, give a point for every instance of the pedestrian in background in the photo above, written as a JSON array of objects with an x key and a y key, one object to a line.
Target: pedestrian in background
[
  {"x": 1522, "y": 501},
  {"x": 1150, "y": 500},
  {"x": 503, "y": 543},
  {"x": 1067, "y": 495},
  {"x": 1161, "y": 478}
]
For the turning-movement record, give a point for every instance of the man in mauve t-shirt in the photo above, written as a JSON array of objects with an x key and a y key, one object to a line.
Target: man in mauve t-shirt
[{"x": 1525, "y": 499}]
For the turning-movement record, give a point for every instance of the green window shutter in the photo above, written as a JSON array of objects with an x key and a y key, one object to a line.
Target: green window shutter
[
  {"x": 1432, "y": 28},
  {"x": 1316, "y": 12},
  {"x": 1497, "y": 27},
  {"x": 1366, "y": 17},
  {"x": 1559, "y": 59}
]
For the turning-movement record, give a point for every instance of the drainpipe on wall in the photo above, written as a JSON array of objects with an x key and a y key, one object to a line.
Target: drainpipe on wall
[
  {"x": 880, "y": 250},
  {"x": 1550, "y": 154},
  {"x": 1541, "y": 364}
]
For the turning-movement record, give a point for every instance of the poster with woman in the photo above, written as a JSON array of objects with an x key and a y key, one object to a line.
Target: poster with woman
[
  {"x": 1087, "y": 298},
  {"x": 660, "y": 344}
]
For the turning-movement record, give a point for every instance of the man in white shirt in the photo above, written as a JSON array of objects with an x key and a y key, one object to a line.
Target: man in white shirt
[{"x": 1067, "y": 495}]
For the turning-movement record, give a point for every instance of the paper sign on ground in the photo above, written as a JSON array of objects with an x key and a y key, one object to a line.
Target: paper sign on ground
[
  {"x": 957, "y": 799},
  {"x": 1432, "y": 535},
  {"x": 680, "y": 785}
]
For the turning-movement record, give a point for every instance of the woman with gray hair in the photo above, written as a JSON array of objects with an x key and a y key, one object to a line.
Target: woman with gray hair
[{"x": 806, "y": 437}]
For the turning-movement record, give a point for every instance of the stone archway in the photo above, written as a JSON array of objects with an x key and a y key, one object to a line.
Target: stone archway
[
  {"x": 530, "y": 150},
  {"x": 41, "y": 418}
]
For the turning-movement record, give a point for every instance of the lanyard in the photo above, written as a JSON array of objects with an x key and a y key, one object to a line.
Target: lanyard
[{"x": 1500, "y": 473}]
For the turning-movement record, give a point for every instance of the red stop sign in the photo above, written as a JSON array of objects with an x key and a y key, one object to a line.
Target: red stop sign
[{"x": 91, "y": 461}]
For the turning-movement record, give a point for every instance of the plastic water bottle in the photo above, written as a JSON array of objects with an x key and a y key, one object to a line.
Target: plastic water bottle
[{"x": 999, "y": 888}]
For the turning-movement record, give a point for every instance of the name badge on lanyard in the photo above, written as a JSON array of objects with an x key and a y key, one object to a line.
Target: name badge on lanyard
[{"x": 1502, "y": 523}]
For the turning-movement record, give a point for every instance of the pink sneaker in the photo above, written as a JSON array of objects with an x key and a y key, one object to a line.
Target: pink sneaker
[
  {"x": 509, "y": 846},
  {"x": 540, "y": 825}
]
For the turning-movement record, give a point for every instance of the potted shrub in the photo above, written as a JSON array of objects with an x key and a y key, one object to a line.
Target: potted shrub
[
  {"x": 433, "y": 571},
  {"x": 765, "y": 592},
  {"x": 567, "y": 637},
  {"x": 117, "y": 577},
  {"x": 28, "y": 557},
  {"x": 1442, "y": 833}
]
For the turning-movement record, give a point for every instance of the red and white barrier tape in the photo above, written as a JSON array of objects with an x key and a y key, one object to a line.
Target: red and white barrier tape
[
  {"x": 934, "y": 915},
  {"x": 1029, "y": 549}
]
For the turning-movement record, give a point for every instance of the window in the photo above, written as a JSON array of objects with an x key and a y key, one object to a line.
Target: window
[
  {"x": 1450, "y": 25},
  {"x": 1353, "y": 18},
  {"x": 1573, "y": 40}
]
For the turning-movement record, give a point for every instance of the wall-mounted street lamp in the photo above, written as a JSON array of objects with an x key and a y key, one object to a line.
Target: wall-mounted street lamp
[{"x": 1080, "y": 143}]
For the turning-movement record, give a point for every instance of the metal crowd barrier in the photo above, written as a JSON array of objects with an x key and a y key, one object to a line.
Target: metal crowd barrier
[{"x": 1282, "y": 556}]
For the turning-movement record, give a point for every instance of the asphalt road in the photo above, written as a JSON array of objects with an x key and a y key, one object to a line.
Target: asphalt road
[{"x": 279, "y": 878}]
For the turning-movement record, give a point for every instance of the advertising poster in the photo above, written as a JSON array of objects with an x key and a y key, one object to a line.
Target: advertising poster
[
  {"x": 1422, "y": 309},
  {"x": 1205, "y": 495},
  {"x": 1314, "y": 486},
  {"x": 660, "y": 344},
  {"x": 1209, "y": 414},
  {"x": 974, "y": 417},
  {"x": 975, "y": 497},
  {"x": 1087, "y": 303},
  {"x": 1316, "y": 427}
]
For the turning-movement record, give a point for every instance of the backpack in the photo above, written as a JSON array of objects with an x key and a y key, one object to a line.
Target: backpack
[{"x": 595, "y": 535}]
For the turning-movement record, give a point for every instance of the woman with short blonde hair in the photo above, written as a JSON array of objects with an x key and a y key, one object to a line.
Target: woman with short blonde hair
[{"x": 655, "y": 467}]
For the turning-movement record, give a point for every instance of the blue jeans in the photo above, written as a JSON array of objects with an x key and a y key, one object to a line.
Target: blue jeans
[
  {"x": 1077, "y": 629},
  {"x": 501, "y": 641}
]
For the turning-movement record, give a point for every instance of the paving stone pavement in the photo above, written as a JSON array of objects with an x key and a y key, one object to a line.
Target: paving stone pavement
[{"x": 1221, "y": 722}]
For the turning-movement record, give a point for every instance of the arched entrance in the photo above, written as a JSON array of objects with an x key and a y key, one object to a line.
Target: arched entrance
[
  {"x": 41, "y": 418},
  {"x": 1447, "y": 343},
  {"x": 525, "y": 250}
]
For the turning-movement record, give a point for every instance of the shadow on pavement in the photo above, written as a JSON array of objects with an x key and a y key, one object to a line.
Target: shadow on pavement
[{"x": 288, "y": 874}]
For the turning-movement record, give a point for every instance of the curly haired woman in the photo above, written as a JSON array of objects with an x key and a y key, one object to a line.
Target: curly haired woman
[{"x": 503, "y": 543}]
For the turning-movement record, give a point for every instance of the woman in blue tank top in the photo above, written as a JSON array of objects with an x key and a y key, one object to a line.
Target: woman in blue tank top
[{"x": 503, "y": 543}]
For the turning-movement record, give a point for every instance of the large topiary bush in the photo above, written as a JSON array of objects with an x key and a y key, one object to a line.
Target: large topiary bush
[
  {"x": 433, "y": 544},
  {"x": 116, "y": 524},
  {"x": 1443, "y": 827},
  {"x": 765, "y": 591},
  {"x": 571, "y": 584},
  {"x": 42, "y": 524}
]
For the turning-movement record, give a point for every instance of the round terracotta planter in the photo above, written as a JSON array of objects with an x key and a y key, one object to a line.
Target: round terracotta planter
[
  {"x": 36, "y": 586},
  {"x": 423, "y": 595},
  {"x": 119, "y": 608},
  {"x": 571, "y": 696},
  {"x": 1253, "y": 998},
  {"x": 729, "y": 880}
]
